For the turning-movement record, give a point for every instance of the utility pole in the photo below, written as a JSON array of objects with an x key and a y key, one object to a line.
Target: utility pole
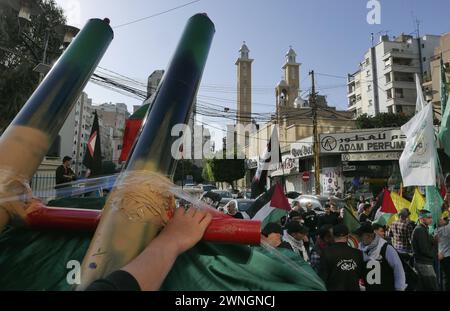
[
  {"x": 419, "y": 44},
  {"x": 316, "y": 146}
]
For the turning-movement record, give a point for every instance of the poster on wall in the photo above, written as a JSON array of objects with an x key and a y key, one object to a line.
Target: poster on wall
[{"x": 332, "y": 180}]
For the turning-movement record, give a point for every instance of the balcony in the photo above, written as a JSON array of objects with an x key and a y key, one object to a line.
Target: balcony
[
  {"x": 401, "y": 68},
  {"x": 398, "y": 53}
]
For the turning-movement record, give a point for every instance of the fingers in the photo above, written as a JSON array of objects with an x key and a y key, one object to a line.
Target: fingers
[
  {"x": 199, "y": 216},
  {"x": 206, "y": 220}
]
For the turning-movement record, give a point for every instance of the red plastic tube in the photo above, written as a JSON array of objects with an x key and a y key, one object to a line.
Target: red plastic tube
[
  {"x": 43, "y": 217},
  {"x": 223, "y": 228}
]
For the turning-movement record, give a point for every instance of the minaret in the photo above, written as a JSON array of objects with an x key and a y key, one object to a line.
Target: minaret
[
  {"x": 244, "y": 86},
  {"x": 291, "y": 76}
]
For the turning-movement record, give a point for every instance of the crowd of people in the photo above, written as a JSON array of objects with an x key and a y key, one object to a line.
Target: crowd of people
[{"x": 403, "y": 256}]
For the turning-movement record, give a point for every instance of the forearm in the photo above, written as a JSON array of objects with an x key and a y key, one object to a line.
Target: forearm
[{"x": 151, "y": 267}]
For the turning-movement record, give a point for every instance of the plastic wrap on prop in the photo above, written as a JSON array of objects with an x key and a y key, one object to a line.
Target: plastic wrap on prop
[
  {"x": 15, "y": 197},
  {"x": 142, "y": 206},
  {"x": 28, "y": 138}
]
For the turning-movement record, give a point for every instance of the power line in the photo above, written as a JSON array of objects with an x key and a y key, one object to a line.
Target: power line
[{"x": 155, "y": 15}]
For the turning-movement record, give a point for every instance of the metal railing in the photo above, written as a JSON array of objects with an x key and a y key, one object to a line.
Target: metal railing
[{"x": 43, "y": 185}]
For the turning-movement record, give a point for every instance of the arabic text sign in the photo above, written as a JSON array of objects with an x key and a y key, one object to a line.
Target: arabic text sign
[
  {"x": 376, "y": 141},
  {"x": 376, "y": 156},
  {"x": 302, "y": 150}
]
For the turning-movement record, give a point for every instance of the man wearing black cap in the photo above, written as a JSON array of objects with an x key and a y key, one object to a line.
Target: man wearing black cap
[
  {"x": 272, "y": 233},
  {"x": 341, "y": 266},
  {"x": 425, "y": 252},
  {"x": 295, "y": 216},
  {"x": 297, "y": 237},
  {"x": 383, "y": 267}
]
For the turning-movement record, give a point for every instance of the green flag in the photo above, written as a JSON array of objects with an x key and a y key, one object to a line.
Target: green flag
[
  {"x": 444, "y": 132},
  {"x": 349, "y": 219},
  {"x": 434, "y": 203}
]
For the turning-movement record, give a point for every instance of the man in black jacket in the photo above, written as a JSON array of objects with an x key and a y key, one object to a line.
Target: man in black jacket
[
  {"x": 64, "y": 174},
  {"x": 425, "y": 252},
  {"x": 329, "y": 218},
  {"x": 341, "y": 266},
  {"x": 310, "y": 220}
]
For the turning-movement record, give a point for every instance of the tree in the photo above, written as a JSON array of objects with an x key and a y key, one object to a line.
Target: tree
[
  {"x": 185, "y": 168},
  {"x": 224, "y": 170},
  {"x": 21, "y": 49},
  {"x": 381, "y": 120}
]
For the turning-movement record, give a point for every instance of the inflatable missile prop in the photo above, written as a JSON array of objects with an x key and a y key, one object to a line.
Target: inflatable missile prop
[
  {"x": 140, "y": 203},
  {"x": 28, "y": 138}
]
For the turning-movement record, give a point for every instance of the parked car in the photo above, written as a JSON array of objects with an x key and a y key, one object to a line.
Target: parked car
[
  {"x": 223, "y": 193},
  {"x": 247, "y": 194},
  {"x": 208, "y": 187},
  {"x": 235, "y": 193},
  {"x": 216, "y": 198},
  {"x": 189, "y": 185},
  {"x": 318, "y": 202},
  {"x": 292, "y": 195}
]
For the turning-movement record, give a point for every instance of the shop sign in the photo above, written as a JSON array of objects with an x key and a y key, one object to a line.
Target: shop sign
[
  {"x": 377, "y": 156},
  {"x": 372, "y": 141},
  {"x": 302, "y": 150}
]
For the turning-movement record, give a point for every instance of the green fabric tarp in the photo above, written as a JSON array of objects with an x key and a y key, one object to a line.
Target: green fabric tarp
[{"x": 36, "y": 260}]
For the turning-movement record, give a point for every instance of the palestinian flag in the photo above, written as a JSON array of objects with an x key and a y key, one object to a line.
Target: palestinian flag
[
  {"x": 259, "y": 181},
  {"x": 132, "y": 127},
  {"x": 386, "y": 214},
  {"x": 270, "y": 207},
  {"x": 93, "y": 155}
]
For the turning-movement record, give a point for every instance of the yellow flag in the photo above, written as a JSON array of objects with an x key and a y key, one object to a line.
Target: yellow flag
[
  {"x": 400, "y": 203},
  {"x": 417, "y": 203}
]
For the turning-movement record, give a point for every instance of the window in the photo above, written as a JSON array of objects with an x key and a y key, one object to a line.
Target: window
[
  {"x": 388, "y": 78},
  {"x": 369, "y": 88},
  {"x": 424, "y": 59},
  {"x": 119, "y": 147},
  {"x": 368, "y": 73},
  {"x": 398, "y": 93},
  {"x": 367, "y": 61},
  {"x": 370, "y": 103},
  {"x": 423, "y": 45},
  {"x": 389, "y": 94}
]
